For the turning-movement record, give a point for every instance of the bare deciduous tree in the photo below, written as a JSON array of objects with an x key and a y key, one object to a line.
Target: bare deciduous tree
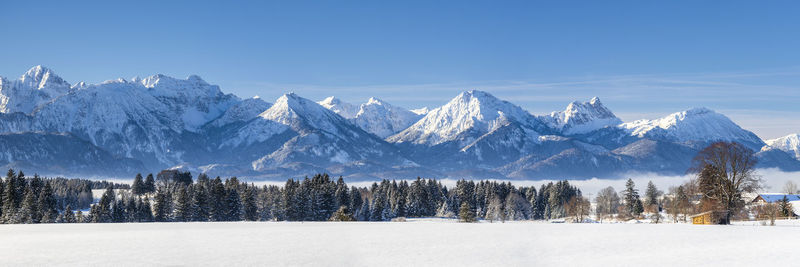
[
  {"x": 578, "y": 207},
  {"x": 790, "y": 188},
  {"x": 607, "y": 203},
  {"x": 725, "y": 171}
]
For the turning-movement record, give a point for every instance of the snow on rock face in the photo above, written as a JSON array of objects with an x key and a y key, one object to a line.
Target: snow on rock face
[
  {"x": 382, "y": 119},
  {"x": 472, "y": 111},
  {"x": 303, "y": 115},
  {"x": 37, "y": 86},
  {"x": 698, "y": 124},
  {"x": 242, "y": 111},
  {"x": 342, "y": 108},
  {"x": 789, "y": 144},
  {"x": 580, "y": 118},
  {"x": 421, "y": 111}
]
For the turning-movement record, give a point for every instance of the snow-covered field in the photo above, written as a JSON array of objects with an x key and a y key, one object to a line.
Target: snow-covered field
[{"x": 414, "y": 243}]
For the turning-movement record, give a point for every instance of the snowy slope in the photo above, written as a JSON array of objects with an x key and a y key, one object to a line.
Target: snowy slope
[
  {"x": 383, "y": 119},
  {"x": 243, "y": 111},
  {"x": 465, "y": 118},
  {"x": 580, "y": 118},
  {"x": 413, "y": 243},
  {"x": 421, "y": 111},
  {"x": 37, "y": 86},
  {"x": 342, "y": 108},
  {"x": 694, "y": 125},
  {"x": 789, "y": 144},
  {"x": 322, "y": 139}
]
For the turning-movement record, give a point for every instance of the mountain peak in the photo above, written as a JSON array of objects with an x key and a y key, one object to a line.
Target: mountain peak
[
  {"x": 39, "y": 77},
  {"x": 579, "y": 118},
  {"x": 696, "y": 124},
  {"x": 340, "y": 107},
  {"x": 475, "y": 111},
  {"x": 789, "y": 144},
  {"x": 383, "y": 119}
]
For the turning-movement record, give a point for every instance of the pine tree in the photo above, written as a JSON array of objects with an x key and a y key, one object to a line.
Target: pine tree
[
  {"x": 465, "y": 213},
  {"x": 633, "y": 205},
  {"x": 118, "y": 211},
  {"x": 146, "y": 211},
  {"x": 67, "y": 216},
  {"x": 233, "y": 204},
  {"x": 27, "y": 212},
  {"x": 2, "y": 194},
  {"x": 79, "y": 218},
  {"x": 162, "y": 206},
  {"x": 217, "y": 201},
  {"x": 138, "y": 186},
  {"x": 342, "y": 194},
  {"x": 47, "y": 204},
  {"x": 651, "y": 197},
  {"x": 342, "y": 215},
  {"x": 183, "y": 211},
  {"x": 249, "y": 204},
  {"x": 101, "y": 212},
  {"x": 150, "y": 184},
  {"x": 200, "y": 205},
  {"x": 10, "y": 201},
  {"x": 785, "y": 207}
]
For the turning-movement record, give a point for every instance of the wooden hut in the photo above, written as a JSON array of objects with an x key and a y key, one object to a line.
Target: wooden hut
[{"x": 710, "y": 217}]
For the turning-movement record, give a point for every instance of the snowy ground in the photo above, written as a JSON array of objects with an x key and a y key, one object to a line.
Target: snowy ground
[{"x": 415, "y": 243}]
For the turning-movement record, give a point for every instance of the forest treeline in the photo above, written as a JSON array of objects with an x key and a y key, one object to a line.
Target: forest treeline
[{"x": 174, "y": 196}]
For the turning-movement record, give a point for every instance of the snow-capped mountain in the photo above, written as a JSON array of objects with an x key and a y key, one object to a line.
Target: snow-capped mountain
[
  {"x": 383, "y": 119},
  {"x": 316, "y": 137},
  {"x": 694, "y": 125},
  {"x": 120, "y": 127},
  {"x": 342, "y": 108},
  {"x": 37, "y": 86},
  {"x": 581, "y": 118},
  {"x": 464, "y": 119},
  {"x": 789, "y": 144}
]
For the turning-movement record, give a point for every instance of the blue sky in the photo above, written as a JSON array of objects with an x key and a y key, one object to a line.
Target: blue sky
[{"x": 643, "y": 59}]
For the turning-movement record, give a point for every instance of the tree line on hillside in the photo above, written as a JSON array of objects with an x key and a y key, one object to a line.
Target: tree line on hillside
[
  {"x": 45, "y": 200},
  {"x": 174, "y": 196}
]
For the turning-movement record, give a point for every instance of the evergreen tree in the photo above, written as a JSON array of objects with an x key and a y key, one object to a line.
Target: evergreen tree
[
  {"x": 47, "y": 204},
  {"x": 363, "y": 212},
  {"x": 146, "y": 211},
  {"x": 249, "y": 204},
  {"x": 633, "y": 205},
  {"x": 67, "y": 216},
  {"x": 233, "y": 205},
  {"x": 27, "y": 212},
  {"x": 101, "y": 212},
  {"x": 785, "y": 207},
  {"x": 465, "y": 213},
  {"x": 200, "y": 206},
  {"x": 355, "y": 200},
  {"x": 10, "y": 201},
  {"x": 79, "y": 217},
  {"x": 118, "y": 211},
  {"x": 342, "y": 215},
  {"x": 150, "y": 184},
  {"x": 651, "y": 197},
  {"x": 162, "y": 208},
  {"x": 217, "y": 201},
  {"x": 183, "y": 212},
  {"x": 138, "y": 187}
]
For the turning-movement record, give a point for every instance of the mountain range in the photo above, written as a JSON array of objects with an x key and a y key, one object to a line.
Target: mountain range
[{"x": 121, "y": 127}]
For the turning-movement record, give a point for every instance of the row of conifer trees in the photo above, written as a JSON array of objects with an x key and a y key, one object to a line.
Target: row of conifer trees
[{"x": 174, "y": 196}]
